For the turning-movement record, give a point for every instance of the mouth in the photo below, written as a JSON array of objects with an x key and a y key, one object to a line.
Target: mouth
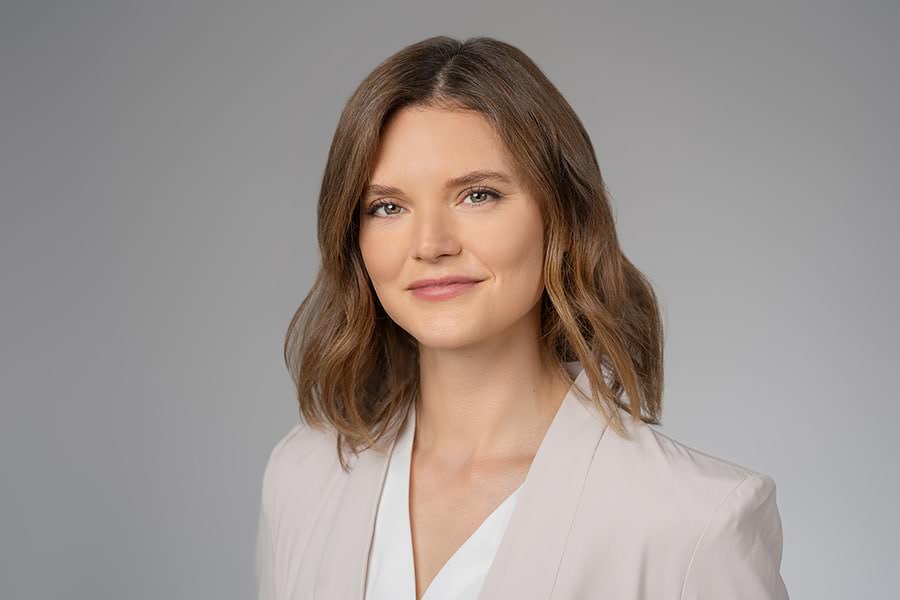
[{"x": 443, "y": 291}]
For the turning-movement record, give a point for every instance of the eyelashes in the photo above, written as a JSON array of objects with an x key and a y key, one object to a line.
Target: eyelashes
[{"x": 493, "y": 195}]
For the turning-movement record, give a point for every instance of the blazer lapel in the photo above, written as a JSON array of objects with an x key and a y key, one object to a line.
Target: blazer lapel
[
  {"x": 530, "y": 552},
  {"x": 342, "y": 572}
]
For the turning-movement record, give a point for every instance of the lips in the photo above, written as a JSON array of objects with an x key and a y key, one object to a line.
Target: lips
[
  {"x": 441, "y": 282},
  {"x": 445, "y": 291}
]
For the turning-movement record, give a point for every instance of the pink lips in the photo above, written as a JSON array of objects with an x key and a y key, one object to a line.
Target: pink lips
[{"x": 443, "y": 291}]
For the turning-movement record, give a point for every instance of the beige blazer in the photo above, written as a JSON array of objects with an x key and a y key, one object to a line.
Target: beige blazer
[{"x": 598, "y": 517}]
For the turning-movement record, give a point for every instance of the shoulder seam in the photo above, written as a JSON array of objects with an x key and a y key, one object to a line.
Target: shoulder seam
[
  {"x": 706, "y": 526},
  {"x": 746, "y": 470}
]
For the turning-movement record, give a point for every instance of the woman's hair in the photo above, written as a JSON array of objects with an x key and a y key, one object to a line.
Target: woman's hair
[{"x": 354, "y": 368}]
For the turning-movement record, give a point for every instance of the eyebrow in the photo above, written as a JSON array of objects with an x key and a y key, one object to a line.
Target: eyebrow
[{"x": 469, "y": 178}]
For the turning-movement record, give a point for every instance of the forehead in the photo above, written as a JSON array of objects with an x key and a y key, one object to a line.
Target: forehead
[{"x": 435, "y": 142}]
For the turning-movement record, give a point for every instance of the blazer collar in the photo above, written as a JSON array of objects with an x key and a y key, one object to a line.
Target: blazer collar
[{"x": 544, "y": 511}]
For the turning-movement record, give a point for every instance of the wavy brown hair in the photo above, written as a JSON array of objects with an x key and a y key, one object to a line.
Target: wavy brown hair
[{"x": 356, "y": 371}]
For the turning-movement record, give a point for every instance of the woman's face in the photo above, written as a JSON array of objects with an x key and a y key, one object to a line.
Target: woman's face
[{"x": 428, "y": 227}]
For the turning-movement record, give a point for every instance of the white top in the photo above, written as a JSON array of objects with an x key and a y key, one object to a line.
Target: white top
[{"x": 391, "y": 573}]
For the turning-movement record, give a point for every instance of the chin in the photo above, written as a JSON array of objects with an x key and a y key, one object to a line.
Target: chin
[{"x": 451, "y": 338}]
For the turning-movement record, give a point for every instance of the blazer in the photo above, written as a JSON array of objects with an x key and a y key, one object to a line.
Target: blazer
[{"x": 598, "y": 517}]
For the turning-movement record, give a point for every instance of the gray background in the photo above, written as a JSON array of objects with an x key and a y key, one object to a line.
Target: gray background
[{"x": 159, "y": 170}]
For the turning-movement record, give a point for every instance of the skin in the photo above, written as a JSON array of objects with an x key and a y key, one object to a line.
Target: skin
[{"x": 486, "y": 400}]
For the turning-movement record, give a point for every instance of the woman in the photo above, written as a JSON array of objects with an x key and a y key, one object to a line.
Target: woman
[{"x": 478, "y": 368}]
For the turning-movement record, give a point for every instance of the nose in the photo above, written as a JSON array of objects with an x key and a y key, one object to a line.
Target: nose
[{"x": 434, "y": 234}]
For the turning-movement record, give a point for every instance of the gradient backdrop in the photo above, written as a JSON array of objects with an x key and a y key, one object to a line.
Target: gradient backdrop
[{"x": 159, "y": 170}]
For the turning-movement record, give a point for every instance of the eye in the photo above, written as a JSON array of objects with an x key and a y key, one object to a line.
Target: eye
[
  {"x": 376, "y": 205},
  {"x": 492, "y": 195},
  {"x": 487, "y": 196}
]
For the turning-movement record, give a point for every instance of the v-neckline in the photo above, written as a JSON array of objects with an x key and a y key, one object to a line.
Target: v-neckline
[
  {"x": 527, "y": 561},
  {"x": 498, "y": 517}
]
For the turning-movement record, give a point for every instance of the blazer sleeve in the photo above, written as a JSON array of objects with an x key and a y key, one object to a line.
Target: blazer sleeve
[
  {"x": 738, "y": 555},
  {"x": 264, "y": 564},
  {"x": 265, "y": 558}
]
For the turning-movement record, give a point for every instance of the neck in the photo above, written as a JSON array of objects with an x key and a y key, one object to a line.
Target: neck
[{"x": 473, "y": 409}]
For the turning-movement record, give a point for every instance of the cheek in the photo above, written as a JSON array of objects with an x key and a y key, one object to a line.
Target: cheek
[
  {"x": 383, "y": 262},
  {"x": 515, "y": 254}
]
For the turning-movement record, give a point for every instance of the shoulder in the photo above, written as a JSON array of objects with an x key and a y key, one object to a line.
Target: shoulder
[
  {"x": 300, "y": 472},
  {"x": 300, "y": 463},
  {"x": 739, "y": 549},
  {"x": 655, "y": 461},
  {"x": 647, "y": 462},
  {"x": 660, "y": 485},
  {"x": 710, "y": 525}
]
